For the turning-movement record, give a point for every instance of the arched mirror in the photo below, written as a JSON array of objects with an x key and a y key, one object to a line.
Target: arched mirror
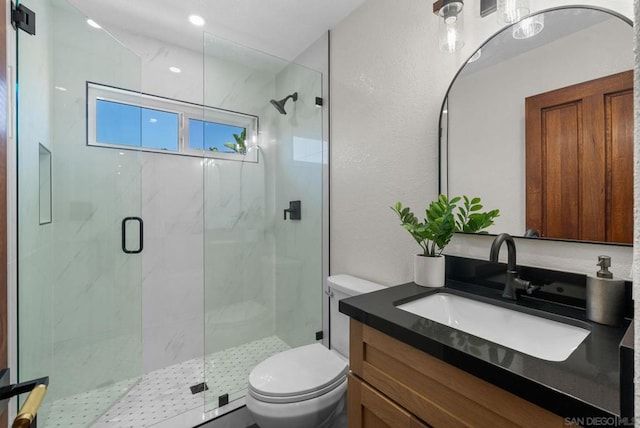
[{"x": 541, "y": 127}]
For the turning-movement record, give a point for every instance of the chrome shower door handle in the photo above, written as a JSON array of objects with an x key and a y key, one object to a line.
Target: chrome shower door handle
[{"x": 140, "y": 234}]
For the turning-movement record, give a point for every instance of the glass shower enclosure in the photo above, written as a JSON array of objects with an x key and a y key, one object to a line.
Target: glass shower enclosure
[
  {"x": 152, "y": 279},
  {"x": 79, "y": 297},
  {"x": 262, "y": 270}
]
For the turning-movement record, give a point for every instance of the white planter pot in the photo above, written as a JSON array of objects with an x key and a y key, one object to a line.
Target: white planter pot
[{"x": 428, "y": 271}]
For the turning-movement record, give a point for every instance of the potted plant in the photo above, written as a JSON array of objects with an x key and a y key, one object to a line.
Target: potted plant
[
  {"x": 240, "y": 146},
  {"x": 443, "y": 217}
]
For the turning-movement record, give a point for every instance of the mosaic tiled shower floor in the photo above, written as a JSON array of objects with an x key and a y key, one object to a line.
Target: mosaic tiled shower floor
[{"x": 163, "y": 393}]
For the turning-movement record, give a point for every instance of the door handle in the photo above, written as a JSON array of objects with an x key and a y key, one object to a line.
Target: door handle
[
  {"x": 28, "y": 413},
  {"x": 124, "y": 235},
  {"x": 29, "y": 410}
]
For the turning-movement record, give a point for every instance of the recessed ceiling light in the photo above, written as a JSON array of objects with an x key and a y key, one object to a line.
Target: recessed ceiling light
[
  {"x": 61, "y": 88},
  {"x": 93, "y": 23},
  {"x": 196, "y": 20},
  {"x": 174, "y": 69}
]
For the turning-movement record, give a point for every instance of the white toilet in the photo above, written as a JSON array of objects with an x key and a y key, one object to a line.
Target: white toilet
[{"x": 305, "y": 387}]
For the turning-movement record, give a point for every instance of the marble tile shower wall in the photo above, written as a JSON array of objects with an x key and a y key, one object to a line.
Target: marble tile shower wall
[
  {"x": 238, "y": 265},
  {"x": 205, "y": 224},
  {"x": 298, "y": 175},
  {"x": 73, "y": 273},
  {"x": 172, "y": 277},
  {"x": 96, "y": 297},
  {"x": 204, "y": 219},
  {"x": 238, "y": 238}
]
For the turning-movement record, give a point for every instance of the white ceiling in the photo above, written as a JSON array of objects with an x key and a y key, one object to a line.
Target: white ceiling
[{"x": 283, "y": 28}]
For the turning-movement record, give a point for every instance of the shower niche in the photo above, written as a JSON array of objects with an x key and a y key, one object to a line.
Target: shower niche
[{"x": 44, "y": 184}]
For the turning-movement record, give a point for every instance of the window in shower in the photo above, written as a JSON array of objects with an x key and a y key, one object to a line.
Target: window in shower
[
  {"x": 125, "y": 119},
  {"x": 130, "y": 125},
  {"x": 216, "y": 137}
]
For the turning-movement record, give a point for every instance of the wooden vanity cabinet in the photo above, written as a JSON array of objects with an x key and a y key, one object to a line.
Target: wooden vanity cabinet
[
  {"x": 393, "y": 384},
  {"x": 368, "y": 408}
]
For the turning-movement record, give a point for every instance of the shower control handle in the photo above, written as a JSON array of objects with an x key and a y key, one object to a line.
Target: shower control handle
[
  {"x": 294, "y": 210},
  {"x": 124, "y": 235}
]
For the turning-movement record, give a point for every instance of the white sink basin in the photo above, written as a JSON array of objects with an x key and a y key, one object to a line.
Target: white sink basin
[{"x": 539, "y": 337}]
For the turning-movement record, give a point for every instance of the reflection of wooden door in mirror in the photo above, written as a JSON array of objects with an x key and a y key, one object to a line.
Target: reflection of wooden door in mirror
[{"x": 579, "y": 161}]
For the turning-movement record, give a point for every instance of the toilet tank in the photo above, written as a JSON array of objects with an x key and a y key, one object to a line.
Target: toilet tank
[{"x": 340, "y": 287}]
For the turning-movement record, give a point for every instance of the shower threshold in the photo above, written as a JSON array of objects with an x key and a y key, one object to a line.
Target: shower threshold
[{"x": 165, "y": 393}]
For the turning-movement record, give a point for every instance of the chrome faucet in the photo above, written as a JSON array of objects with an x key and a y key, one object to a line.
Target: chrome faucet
[{"x": 512, "y": 282}]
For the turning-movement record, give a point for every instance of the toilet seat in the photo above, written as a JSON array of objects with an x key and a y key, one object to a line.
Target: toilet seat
[{"x": 298, "y": 374}]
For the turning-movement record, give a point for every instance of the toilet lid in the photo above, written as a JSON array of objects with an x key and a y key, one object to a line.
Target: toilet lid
[{"x": 298, "y": 371}]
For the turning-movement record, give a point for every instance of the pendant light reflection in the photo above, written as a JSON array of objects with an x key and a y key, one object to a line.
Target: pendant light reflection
[
  {"x": 476, "y": 56},
  {"x": 510, "y": 11},
  {"x": 528, "y": 27},
  {"x": 93, "y": 23},
  {"x": 450, "y": 25}
]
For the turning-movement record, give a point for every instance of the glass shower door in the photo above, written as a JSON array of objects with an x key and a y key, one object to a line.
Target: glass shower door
[
  {"x": 79, "y": 226},
  {"x": 262, "y": 273}
]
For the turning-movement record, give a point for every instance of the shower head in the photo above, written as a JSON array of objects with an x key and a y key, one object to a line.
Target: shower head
[{"x": 279, "y": 105}]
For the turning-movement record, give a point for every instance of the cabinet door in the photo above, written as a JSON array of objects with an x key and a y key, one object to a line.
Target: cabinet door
[
  {"x": 367, "y": 408},
  {"x": 431, "y": 390}
]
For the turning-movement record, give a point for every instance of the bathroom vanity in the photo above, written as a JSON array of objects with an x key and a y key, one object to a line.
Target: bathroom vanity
[
  {"x": 426, "y": 388},
  {"x": 408, "y": 368}
]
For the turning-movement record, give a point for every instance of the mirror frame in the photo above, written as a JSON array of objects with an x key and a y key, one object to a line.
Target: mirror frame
[{"x": 444, "y": 158}]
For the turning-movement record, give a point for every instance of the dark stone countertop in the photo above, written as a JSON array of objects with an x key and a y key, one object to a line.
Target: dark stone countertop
[
  {"x": 585, "y": 385},
  {"x": 627, "y": 387},
  {"x": 627, "y": 340}
]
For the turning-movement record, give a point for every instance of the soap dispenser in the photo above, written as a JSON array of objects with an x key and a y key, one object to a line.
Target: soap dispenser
[{"x": 605, "y": 295}]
